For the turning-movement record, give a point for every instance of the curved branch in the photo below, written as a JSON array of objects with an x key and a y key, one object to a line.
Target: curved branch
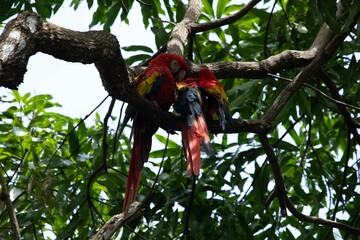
[
  {"x": 352, "y": 124},
  {"x": 9, "y": 206},
  {"x": 201, "y": 27},
  {"x": 118, "y": 221},
  {"x": 255, "y": 70},
  {"x": 338, "y": 101},
  {"x": 285, "y": 202},
  {"x": 279, "y": 181},
  {"x": 311, "y": 219},
  {"x": 305, "y": 74}
]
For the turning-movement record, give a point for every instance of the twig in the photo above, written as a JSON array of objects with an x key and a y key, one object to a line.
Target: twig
[
  {"x": 343, "y": 181},
  {"x": 325, "y": 54},
  {"x": 12, "y": 215},
  {"x": 135, "y": 211},
  {"x": 308, "y": 142},
  {"x": 186, "y": 231},
  {"x": 201, "y": 27},
  {"x": 352, "y": 124},
  {"x": 105, "y": 129},
  {"x": 116, "y": 140},
  {"x": 72, "y": 130},
  {"x": 256, "y": 174},
  {"x": 103, "y": 166},
  {"x": 319, "y": 92},
  {"x": 267, "y": 28}
]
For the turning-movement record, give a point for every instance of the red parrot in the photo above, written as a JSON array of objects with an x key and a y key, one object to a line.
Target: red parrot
[
  {"x": 157, "y": 84},
  {"x": 215, "y": 100},
  {"x": 194, "y": 130}
]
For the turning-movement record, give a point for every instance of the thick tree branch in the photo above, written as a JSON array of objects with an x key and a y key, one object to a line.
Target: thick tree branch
[
  {"x": 28, "y": 34},
  {"x": 118, "y": 221},
  {"x": 9, "y": 206},
  {"x": 326, "y": 42},
  {"x": 255, "y": 70},
  {"x": 305, "y": 74},
  {"x": 182, "y": 30}
]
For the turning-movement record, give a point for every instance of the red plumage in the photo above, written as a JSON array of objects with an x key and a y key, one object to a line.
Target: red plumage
[
  {"x": 215, "y": 100},
  {"x": 157, "y": 84},
  {"x": 194, "y": 130}
]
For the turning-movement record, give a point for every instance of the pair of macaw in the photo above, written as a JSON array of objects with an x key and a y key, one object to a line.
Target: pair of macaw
[{"x": 196, "y": 98}]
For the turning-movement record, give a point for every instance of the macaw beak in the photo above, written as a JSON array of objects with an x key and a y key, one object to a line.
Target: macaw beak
[{"x": 180, "y": 75}]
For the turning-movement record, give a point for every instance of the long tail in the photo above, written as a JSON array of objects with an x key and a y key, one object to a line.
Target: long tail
[
  {"x": 193, "y": 137},
  {"x": 139, "y": 155}
]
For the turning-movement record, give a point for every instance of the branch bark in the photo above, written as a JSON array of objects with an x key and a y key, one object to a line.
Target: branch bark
[
  {"x": 279, "y": 181},
  {"x": 182, "y": 30},
  {"x": 201, "y": 27},
  {"x": 28, "y": 34},
  {"x": 5, "y": 196},
  {"x": 321, "y": 58},
  {"x": 118, "y": 221}
]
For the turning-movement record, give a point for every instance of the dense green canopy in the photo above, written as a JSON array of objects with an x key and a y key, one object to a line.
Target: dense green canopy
[{"x": 288, "y": 168}]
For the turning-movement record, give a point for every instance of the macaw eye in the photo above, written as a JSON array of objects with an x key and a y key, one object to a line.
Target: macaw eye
[{"x": 174, "y": 66}]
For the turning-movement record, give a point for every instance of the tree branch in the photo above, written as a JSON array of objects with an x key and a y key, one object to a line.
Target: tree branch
[
  {"x": 12, "y": 215},
  {"x": 305, "y": 74},
  {"x": 285, "y": 202},
  {"x": 118, "y": 221},
  {"x": 305, "y": 218},
  {"x": 351, "y": 123},
  {"x": 182, "y": 30},
  {"x": 201, "y": 27},
  {"x": 279, "y": 181},
  {"x": 326, "y": 42},
  {"x": 255, "y": 70}
]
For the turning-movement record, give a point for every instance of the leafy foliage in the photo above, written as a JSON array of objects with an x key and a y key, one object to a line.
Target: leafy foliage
[{"x": 61, "y": 185}]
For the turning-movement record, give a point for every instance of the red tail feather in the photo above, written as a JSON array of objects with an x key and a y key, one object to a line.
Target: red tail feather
[
  {"x": 139, "y": 155},
  {"x": 193, "y": 137}
]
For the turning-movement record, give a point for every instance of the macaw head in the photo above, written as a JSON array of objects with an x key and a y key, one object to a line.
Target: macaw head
[
  {"x": 208, "y": 81},
  {"x": 174, "y": 62},
  {"x": 207, "y": 76}
]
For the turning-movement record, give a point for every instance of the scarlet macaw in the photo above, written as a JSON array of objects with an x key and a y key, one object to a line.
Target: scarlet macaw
[
  {"x": 157, "y": 84},
  {"x": 194, "y": 130},
  {"x": 215, "y": 100}
]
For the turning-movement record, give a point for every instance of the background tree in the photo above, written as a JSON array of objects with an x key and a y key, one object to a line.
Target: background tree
[{"x": 287, "y": 168}]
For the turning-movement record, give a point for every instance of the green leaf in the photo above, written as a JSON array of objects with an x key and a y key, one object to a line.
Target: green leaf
[
  {"x": 220, "y": 8},
  {"x": 134, "y": 48},
  {"x": 207, "y": 8},
  {"x": 73, "y": 141},
  {"x": 328, "y": 10},
  {"x": 111, "y": 15},
  {"x": 90, "y": 3},
  {"x": 163, "y": 140},
  {"x": 137, "y": 58},
  {"x": 180, "y": 11}
]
